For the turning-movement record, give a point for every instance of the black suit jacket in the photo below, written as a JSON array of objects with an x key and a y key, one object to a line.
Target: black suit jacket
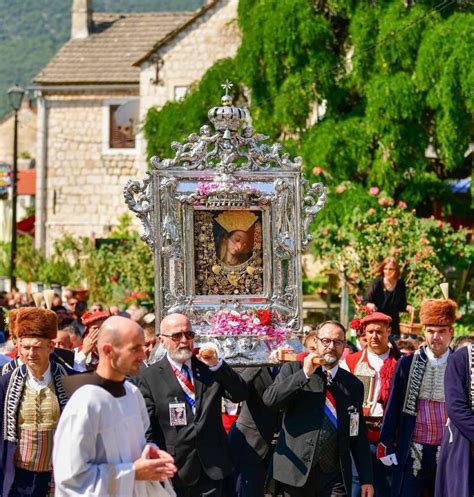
[
  {"x": 303, "y": 400},
  {"x": 202, "y": 443},
  {"x": 257, "y": 422}
]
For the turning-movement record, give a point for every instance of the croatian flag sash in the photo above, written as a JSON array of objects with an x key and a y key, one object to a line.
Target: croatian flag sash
[
  {"x": 330, "y": 408},
  {"x": 187, "y": 386}
]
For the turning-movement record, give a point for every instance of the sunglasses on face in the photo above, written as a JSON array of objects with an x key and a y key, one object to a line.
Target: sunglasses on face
[{"x": 176, "y": 337}]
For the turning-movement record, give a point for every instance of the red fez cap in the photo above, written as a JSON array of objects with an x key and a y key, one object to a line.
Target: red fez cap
[
  {"x": 375, "y": 317},
  {"x": 93, "y": 317}
]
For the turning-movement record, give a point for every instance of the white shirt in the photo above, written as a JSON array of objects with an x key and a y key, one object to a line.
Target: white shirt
[
  {"x": 38, "y": 384},
  {"x": 333, "y": 370},
  {"x": 376, "y": 362},
  {"x": 179, "y": 365},
  {"x": 436, "y": 360}
]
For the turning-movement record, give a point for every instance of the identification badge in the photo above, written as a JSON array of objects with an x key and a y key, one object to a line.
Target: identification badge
[
  {"x": 178, "y": 414},
  {"x": 354, "y": 424}
]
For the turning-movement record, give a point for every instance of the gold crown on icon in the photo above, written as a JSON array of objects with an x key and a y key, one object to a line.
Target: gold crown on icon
[{"x": 236, "y": 220}]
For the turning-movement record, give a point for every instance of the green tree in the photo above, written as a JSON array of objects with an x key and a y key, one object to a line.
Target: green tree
[{"x": 395, "y": 78}]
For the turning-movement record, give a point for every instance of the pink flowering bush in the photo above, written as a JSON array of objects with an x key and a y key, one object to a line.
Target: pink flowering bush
[
  {"x": 424, "y": 247},
  {"x": 256, "y": 323}
]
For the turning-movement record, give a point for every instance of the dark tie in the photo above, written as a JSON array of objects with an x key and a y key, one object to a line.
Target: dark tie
[
  {"x": 186, "y": 372},
  {"x": 328, "y": 376}
]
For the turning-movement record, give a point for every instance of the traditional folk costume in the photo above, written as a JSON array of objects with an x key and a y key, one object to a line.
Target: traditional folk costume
[
  {"x": 375, "y": 372},
  {"x": 89, "y": 362},
  {"x": 29, "y": 412},
  {"x": 416, "y": 412},
  {"x": 455, "y": 475},
  {"x": 100, "y": 434}
]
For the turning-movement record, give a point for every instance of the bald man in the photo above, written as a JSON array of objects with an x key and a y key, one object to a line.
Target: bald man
[
  {"x": 183, "y": 395},
  {"x": 100, "y": 446}
]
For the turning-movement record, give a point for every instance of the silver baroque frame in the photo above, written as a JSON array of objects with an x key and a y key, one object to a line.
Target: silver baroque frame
[{"x": 230, "y": 168}]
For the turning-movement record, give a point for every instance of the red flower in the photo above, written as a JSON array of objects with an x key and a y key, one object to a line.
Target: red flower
[
  {"x": 354, "y": 324},
  {"x": 265, "y": 317}
]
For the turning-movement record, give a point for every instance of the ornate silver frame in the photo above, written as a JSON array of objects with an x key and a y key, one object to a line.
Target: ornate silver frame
[{"x": 231, "y": 168}]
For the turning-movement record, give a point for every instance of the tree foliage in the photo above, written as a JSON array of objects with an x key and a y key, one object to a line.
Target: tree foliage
[
  {"x": 395, "y": 79},
  {"x": 108, "y": 271}
]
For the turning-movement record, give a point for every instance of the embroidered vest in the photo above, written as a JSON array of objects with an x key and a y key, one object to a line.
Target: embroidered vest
[{"x": 37, "y": 420}]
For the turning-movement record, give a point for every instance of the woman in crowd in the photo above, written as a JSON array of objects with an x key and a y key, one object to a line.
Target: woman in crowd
[{"x": 387, "y": 292}]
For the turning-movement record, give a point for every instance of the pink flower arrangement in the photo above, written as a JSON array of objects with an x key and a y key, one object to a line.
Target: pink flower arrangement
[
  {"x": 402, "y": 205},
  {"x": 374, "y": 190},
  {"x": 205, "y": 188},
  {"x": 371, "y": 212},
  {"x": 340, "y": 189},
  {"x": 317, "y": 171},
  {"x": 256, "y": 323}
]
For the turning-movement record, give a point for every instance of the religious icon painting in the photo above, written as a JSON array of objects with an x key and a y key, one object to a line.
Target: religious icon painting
[{"x": 228, "y": 252}]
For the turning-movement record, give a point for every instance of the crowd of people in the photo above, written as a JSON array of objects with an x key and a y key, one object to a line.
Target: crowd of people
[{"x": 84, "y": 411}]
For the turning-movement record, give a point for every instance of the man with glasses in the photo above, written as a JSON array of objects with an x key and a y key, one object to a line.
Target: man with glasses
[
  {"x": 415, "y": 415},
  {"x": 183, "y": 394},
  {"x": 374, "y": 366},
  {"x": 322, "y": 423}
]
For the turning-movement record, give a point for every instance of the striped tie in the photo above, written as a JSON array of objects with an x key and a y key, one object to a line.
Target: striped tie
[{"x": 330, "y": 402}]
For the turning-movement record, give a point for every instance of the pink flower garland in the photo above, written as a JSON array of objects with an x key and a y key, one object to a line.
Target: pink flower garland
[{"x": 233, "y": 323}]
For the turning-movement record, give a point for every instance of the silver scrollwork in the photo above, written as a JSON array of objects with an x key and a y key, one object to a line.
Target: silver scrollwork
[
  {"x": 138, "y": 198},
  {"x": 227, "y": 167},
  {"x": 311, "y": 207}
]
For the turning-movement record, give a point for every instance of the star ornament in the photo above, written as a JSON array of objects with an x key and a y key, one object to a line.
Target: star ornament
[{"x": 227, "y": 86}]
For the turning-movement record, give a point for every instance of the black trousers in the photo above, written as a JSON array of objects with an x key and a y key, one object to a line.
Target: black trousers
[
  {"x": 30, "y": 483},
  {"x": 250, "y": 471},
  {"x": 318, "y": 484},
  {"x": 205, "y": 487}
]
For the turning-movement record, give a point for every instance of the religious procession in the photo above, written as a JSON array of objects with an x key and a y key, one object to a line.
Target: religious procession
[{"x": 258, "y": 326}]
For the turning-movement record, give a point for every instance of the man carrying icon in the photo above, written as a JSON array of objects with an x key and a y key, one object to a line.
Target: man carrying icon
[{"x": 183, "y": 395}]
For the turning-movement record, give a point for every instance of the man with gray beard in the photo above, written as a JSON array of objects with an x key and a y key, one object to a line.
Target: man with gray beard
[
  {"x": 322, "y": 422},
  {"x": 183, "y": 394}
]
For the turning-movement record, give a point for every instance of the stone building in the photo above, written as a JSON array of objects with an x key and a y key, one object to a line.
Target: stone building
[
  {"x": 26, "y": 172},
  {"x": 93, "y": 96}
]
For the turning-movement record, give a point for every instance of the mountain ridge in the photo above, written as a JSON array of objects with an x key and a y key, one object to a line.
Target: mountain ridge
[{"x": 31, "y": 33}]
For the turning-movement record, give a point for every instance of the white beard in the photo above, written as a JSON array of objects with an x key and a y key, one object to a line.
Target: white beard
[{"x": 181, "y": 355}]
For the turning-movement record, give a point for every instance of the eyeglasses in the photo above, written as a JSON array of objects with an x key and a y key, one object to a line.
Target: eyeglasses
[
  {"x": 176, "y": 337},
  {"x": 327, "y": 342}
]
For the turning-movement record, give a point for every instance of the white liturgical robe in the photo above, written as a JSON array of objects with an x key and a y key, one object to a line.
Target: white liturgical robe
[{"x": 97, "y": 439}]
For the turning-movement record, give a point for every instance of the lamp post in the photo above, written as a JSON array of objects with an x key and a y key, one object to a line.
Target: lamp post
[{"x": 15, "y": 96}]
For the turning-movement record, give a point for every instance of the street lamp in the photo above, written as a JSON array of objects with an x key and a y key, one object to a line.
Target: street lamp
[{"x": 15, "y": 96}]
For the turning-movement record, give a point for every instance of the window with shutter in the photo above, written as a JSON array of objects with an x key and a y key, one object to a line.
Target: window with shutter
[{"x": 123, "y": 120}]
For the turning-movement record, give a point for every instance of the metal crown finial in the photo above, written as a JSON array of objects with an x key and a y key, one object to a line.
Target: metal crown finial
[{"x": 227, "y": 86}]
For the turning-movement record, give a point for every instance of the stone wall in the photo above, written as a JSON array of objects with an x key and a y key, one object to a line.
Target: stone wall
[
  {"x": 84, "y": 185},
  {"x": 213, "y": 36},
  {"x": 26, "y": 134}
]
